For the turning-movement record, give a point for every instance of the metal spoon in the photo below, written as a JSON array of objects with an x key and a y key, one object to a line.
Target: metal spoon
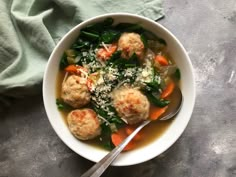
[{"x": 101, "y": 166}]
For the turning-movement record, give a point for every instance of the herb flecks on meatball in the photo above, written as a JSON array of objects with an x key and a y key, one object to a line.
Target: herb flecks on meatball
[
  {"x": 84, "y": 124},
  {"x": 130, "y": 43},
  {"x": 131, "y": 105}
]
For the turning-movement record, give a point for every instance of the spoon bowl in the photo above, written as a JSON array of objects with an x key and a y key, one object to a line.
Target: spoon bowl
[{"x": 175, "y": 105}]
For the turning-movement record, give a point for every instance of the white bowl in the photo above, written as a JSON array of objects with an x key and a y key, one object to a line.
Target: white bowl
[{"x": 156, "y": 147}]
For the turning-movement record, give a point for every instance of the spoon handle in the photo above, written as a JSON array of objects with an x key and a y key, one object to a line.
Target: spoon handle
[{"x": 97, "y": 169}]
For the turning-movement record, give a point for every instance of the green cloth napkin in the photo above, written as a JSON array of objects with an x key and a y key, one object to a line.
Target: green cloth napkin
[{"x": 30, "y": 29}]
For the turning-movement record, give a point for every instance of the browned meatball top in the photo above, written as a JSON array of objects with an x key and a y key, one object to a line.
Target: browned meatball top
[
  {"x": 84, "y": 124},
  {"x": 131, "y": 105},
  {"x": 130, "y": 43}
]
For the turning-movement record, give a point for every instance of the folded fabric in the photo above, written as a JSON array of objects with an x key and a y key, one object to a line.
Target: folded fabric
[{"x": 30, "y": 29}]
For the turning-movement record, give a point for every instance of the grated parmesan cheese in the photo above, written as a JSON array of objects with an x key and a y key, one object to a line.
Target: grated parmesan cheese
[
  {"x": 84, "y": 74},
  {"x": 84, "y": 54},
  {"x": 104, "y": 45},
  {"x": 145, "y": 74},
  {"x": 65, "y": 77},
  {"x": 129, "y": 72}
]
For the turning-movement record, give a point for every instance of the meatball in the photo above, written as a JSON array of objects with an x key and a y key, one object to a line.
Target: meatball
[
  {"x": 84, "y": 124},
  {"x": 74, "y": 92},
  {"x": 131, "y": 105},
  {"x": 130, "y": 43}
]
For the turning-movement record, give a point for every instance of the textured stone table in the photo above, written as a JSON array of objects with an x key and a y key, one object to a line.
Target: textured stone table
[{"x": 30, "y": 148}]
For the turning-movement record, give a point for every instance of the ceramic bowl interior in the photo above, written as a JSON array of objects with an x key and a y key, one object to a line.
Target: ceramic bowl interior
[{"x": 141, "y": 154}]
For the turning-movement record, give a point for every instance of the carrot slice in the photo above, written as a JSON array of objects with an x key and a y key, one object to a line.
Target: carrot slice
[
  {"x": 161, "y": 60},
  {"x": 130, "y": 130},
  {"x": 112, "y": 49},
  {"x": 89, "y": 84},
  {"x": 118, "y": 137},
  {"x": 75, "y": 69},
  {"x": 105, "y": 54},
  {"x": 71, "y": 69},
  {"x": 156, "y": 112},
  {"x": 168, "y": 90}
]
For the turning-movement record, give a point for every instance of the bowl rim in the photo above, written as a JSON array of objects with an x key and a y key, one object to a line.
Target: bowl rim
[{"x": 112, "y": 15}]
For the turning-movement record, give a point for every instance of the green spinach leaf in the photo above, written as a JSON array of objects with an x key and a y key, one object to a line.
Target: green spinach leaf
[
  {"x": 89, "y": 36},
  {"x": 61, "y": 105},
  {"x": 108, "y": 22},
  {"x": 110, "y": 36},
  {"x": 157, "y": 102},
  {"x": 81, "y": 44},
  {"x": 177, "y": 74},
  {"x": 128, "y": 27},
  {"x": 144, "y": 40},
  {"x": 63, "y": 63}
]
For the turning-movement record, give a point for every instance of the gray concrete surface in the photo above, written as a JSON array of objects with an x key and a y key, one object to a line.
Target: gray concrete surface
[{"x": 30, "y": 148}]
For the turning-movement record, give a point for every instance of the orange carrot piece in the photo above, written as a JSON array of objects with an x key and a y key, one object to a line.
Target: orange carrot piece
[
  {"x": 161, "y": 60},
  {"x": 105, "y": 54},
  {"x": 156, "y": 112},
  {"x": 71, "y": 69},
  {"x": 112, "y": 48},
  {"x": 75, "y": 69},
  {"x": 89, "y": 84},
  {"x": 130, "y": 130},
  {"x": 168, "y": 90},
  {"x": 118, "y": 137}
]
